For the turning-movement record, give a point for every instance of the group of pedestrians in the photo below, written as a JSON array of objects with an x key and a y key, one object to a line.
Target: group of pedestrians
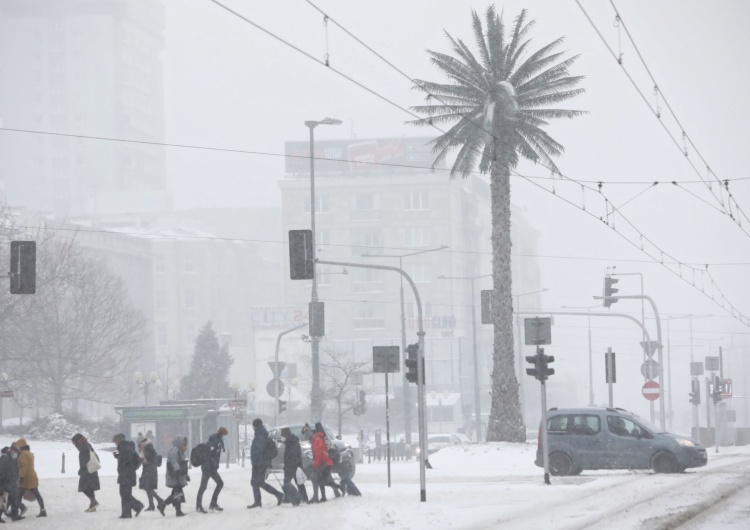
[
  {"x": 17, "y": 478},
  {"x": 132, "y": 456}
]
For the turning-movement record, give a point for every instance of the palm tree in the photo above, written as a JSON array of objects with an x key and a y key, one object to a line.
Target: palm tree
[{"x": 500, "y": 102}]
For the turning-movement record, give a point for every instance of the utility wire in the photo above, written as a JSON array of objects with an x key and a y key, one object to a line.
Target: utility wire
[{"x": 656, "y": 113}]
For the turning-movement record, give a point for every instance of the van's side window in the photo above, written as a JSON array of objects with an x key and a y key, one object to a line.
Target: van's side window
[
  {"x": 558, "y": 423},
  {"x": 586, "y": 424}
]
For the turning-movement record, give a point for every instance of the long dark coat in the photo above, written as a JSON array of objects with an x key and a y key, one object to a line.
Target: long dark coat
[
  {"x": 127, "y": 460},
  {"x": 292, "y": 454},
  {"x": 258, "y": 447},
  {"x": 86, "y": 480},
  {"x": 149, "y": 476},
  {"x": 8, "y": 474}
]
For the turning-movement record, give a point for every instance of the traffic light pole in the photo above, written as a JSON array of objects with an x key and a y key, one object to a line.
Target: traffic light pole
[
  {"x": 278, "y": 375},
  {"x": 420, "y": 367},
  {"x": 387, "y": 431},
  {"x": 660, "y": 349},
  {"x": 545, "y": 444}
]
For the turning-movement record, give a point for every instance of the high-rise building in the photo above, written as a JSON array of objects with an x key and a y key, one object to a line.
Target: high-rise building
[
  {"x": 89, "y": 68},
  {"x": 384, "y": 206}
]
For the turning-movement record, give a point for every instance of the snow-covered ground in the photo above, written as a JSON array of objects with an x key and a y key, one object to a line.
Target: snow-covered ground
[{"x": 472, "y": 487}]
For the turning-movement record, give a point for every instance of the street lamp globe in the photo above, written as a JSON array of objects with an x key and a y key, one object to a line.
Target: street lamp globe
[{"x": 138, "y": 377}]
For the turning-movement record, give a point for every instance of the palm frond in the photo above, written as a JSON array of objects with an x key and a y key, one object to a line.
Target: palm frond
[
  {"x": 557, "y": 97},
  {"x": 537, "y": 61},
  {"x": 484, "y": 53}
]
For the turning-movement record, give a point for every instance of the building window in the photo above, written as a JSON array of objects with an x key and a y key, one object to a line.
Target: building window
[
  {"x": 161, "y": 334},
  {"x": 321, "y": 203},
  {"x": 322, "y": 239},
  {"x": 411, "y": 309},
  {"x": 365, "y": 207},
  {"x": 324, "y": 278},
  {"x": 367, "y": 280},
  {"x": 417, "y": 236},
  {"x": 190, "y": 334},
  {"x": 367, "y": 241},
  {"x": 161, "y": 299},
  {"x": 368, "y": 316},
  {"x": 188, "y": 263},
  {"x": 416, "y": 200},
  {"x": 419, "y": 272},
  {"x": 189, "y": 298}
]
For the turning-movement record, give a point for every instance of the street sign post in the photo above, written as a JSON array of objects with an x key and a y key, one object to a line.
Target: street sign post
[
  {"x": 385, "y": 360},
  {"x": 240, "y": 404},
  {"x": 276, "y": 367},
  {"x": 651, "y": 390},
  {"x": 538, "y": 331},
  {"x": 696, "y": 368},
  {"x": 649, "y": 347}
]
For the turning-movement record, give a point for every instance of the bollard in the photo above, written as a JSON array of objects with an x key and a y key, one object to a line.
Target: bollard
[
  {"x": 227, "y": 459},
  {"x": 63, "y": 464},
  {"x": 369, "y": 455},
  {"x": 243, "y": 458}
]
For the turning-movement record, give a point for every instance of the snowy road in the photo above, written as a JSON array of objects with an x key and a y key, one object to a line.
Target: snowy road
[{"x": 479, "y": 487}]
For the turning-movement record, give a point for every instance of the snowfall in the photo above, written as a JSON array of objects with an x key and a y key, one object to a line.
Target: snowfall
[{"x": 479, "y": 486}]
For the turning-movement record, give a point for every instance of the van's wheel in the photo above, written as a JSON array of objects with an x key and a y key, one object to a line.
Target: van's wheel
[
  {"x": 576, "y": 470},
  {"x": 560, "y": 464},
  {"x": 665, "y": 462}
]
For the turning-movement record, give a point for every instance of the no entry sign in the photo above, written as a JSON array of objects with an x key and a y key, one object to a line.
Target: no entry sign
[{"x": 651, "y": 390}]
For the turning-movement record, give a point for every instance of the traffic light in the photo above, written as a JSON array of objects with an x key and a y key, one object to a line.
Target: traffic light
[
  {"x": 541, "y": 362},
  {"x": 609, "y": 290},
  {"x": 717, "y": 391},
  {"x": 695, "y": 394},
  {"x": 22, "y": 267},
  {"x": 282, "y": 406},
  {"x": 411, "y": 362},
  {"x": 301, "y": 266}
]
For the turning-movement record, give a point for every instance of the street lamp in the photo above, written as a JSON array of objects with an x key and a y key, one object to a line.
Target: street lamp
[
  {"x": 316, "y": 405},
  {"x": 153, "y": 379},
  {"x": 518, "y": 326},
  {"x": 404, "y": 384},
  {"x": 477, "y": 399},
  {"x": 591, "y": 361}
]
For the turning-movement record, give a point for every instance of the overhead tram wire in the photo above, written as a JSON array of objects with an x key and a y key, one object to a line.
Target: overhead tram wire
[
  {"x": 664, "y": 126},
  {"x": 614, "y": 209},
  {"x": 672, "y": 112}
]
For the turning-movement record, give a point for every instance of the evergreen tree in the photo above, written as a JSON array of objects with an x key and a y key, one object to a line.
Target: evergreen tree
[{"x": 209, "y": 369}]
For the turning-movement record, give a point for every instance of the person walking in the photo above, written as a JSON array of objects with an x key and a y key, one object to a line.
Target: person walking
[
  {"x": 322, "y": 464},
  {"x": 27, "y": 477},
  {"x": 210, "y": 470},
  {"x": 307, "y": 433},
  {"x": 149, "y": 480},
  {"x": 177, "y": 475},
  {"x": 261, "y": 454},
  {"x": 128, "y": 462},
  {"x": 9, "y": 480},
  {"x": 292, "y": 462},
  {"x": 88, "y": 482}
]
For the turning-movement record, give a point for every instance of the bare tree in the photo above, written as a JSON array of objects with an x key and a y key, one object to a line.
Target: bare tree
[
  {"x": 78, "y": 337},
  {"x": 336, "y": 380}
]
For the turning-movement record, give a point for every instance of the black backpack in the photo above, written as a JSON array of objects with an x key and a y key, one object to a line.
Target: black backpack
[
  {"x": 159, "y": 460},
  {"x": 271, "y": 450},
  {"x": 334, "y": 454},
  {"x": 197, "y": 455}
]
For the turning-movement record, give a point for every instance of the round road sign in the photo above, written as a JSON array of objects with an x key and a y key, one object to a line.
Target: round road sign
[
  {"x": 271, "y": 387},
  {"x": 651, "y": 390}
]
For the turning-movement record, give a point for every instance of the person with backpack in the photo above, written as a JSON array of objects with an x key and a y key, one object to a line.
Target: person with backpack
[
  {"x": 262, "y": 451},
  {"x": 88, "y": 471},
  {"x": 9, "y": 480},
  {"x": 27, "y": 477},
  {"x": 149, "y": 480},
  {"x": 177, "y": 475},
  {"x": 128, "y": 463},
  {"x": 210, "y": 470},
  {"x": 292, "y": 462}
]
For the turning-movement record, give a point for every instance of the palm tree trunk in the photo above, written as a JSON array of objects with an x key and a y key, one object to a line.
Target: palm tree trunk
[{"x": 506, "y": 421}]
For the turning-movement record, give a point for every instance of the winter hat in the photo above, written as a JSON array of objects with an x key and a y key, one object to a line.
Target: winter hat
[
  {"x": 286, "y": 432},
  {"x": 78, "y": 439},
  {"x": 141, "y": 439},
  {"x": 257, "y": 422},
  {"x": 117, "y": 438},
  {"x": 223, "y": 431},
  {"x": 5, "y": 450},
  {"x": 319, "y": 428}
]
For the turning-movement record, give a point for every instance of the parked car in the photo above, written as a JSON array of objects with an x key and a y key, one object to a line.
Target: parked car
[
  {"x": 345, "y": 467},
  {"x": 435, "y": 442},
  {"x": 613, "y": 438}
]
